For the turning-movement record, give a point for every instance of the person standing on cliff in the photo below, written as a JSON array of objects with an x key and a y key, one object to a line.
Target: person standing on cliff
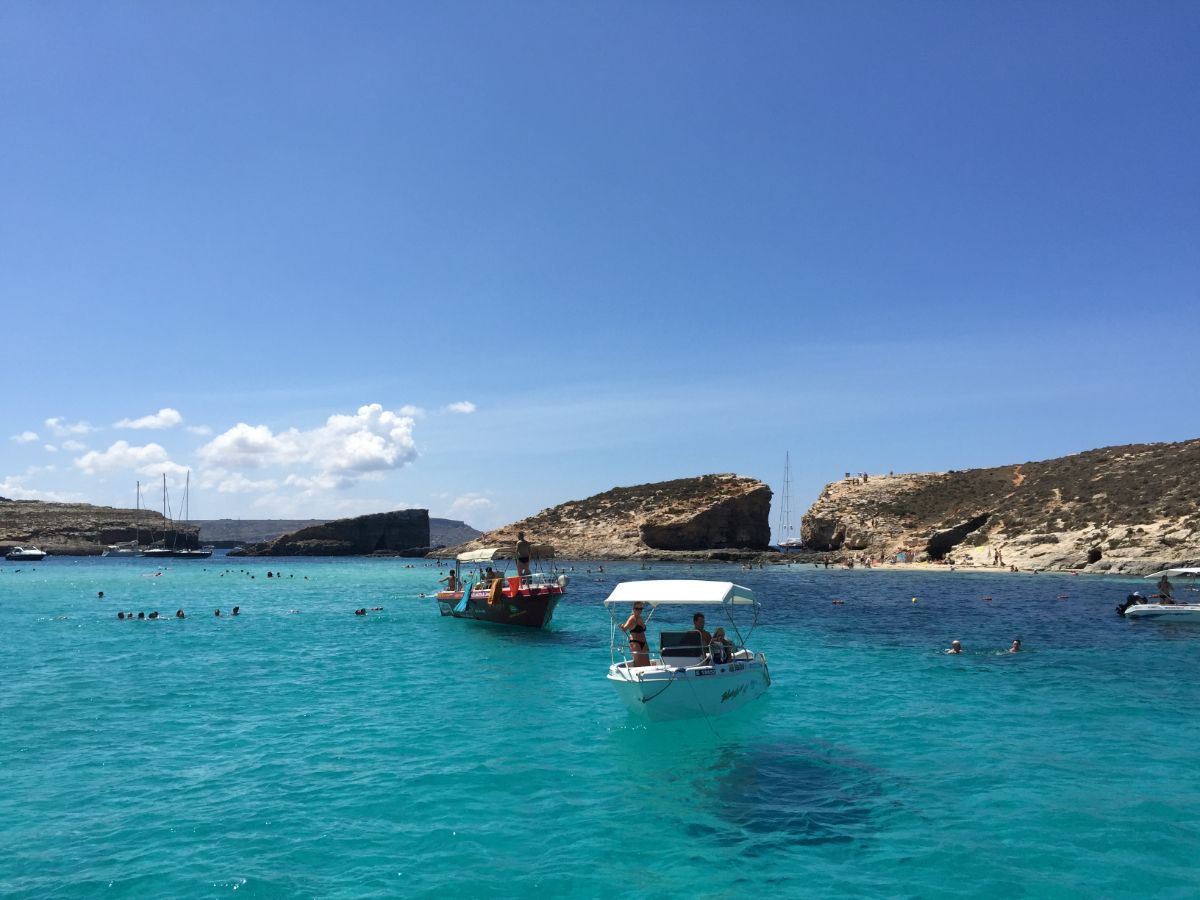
[{"x": 523, "y": 551}]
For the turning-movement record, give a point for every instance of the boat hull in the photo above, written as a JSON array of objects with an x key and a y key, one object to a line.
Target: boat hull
[
  {"x": 659, "y": 694},
  {"x": 1165, "y": 612},
  {"x": 529, "y": 609}
]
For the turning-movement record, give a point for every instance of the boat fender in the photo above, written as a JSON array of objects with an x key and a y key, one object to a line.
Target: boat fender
[
  {"x": 562, "y": 582},
  {"x": 495, "y": 592}
]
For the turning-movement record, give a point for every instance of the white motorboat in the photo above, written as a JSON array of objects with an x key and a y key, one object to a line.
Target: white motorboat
[
  {"x": 1164, "y": 612},
  {"x": 686, "y": 679},
  {"x": 1164, "y": 607},
  {"x": 134, "y": 547},
  {"x": 126, "y": 548},
  {"x": 25, "y": 554}
]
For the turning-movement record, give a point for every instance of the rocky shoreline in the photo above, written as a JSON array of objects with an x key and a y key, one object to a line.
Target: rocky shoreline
[{"x": 1131, "y": 509}]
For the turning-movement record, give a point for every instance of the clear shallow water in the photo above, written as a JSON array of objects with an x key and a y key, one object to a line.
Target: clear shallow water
[{"x": 323, "y": 754}]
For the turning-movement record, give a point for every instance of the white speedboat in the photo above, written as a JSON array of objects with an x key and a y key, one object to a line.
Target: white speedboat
[
  {"x": 1164, "y": 612},
  {"x": 1164, "y": 607},
  {"x": 25, "y": 554},
  {"x": 126, "y": 548},
  {"x": 686, "y": 679}
]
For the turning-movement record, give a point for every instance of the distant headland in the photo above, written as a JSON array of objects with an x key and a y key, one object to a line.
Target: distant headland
[{"x": 1128, "y": 509}]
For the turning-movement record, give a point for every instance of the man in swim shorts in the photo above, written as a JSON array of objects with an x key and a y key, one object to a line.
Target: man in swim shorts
[{"x": 523, "y": 551}]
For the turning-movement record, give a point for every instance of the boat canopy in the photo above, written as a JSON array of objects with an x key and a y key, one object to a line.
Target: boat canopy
[
  {"x": 685, "y": 592},
  {"x": 1187, "y": 573},
  {"x": 487, "y": 554}
]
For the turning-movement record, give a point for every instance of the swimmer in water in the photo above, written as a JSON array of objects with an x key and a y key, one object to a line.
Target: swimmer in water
[
  {"x": 179, "y": 614},
  {"x": 1016, "y": 646},
  {"x": 955, "y": 647},
  {"x": 237, "y": 610}
]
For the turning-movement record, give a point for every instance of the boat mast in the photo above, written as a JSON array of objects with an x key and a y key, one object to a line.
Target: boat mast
[
  {"x": 137, "y": 525},
  {"x": 784, "y": 528}
]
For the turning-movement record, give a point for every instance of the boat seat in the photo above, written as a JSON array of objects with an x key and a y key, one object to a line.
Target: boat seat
[{"x": 681, "y": 648}]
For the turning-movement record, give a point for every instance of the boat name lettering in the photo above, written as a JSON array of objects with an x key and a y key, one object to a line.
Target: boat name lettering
[{"x": 729, "y": 695}]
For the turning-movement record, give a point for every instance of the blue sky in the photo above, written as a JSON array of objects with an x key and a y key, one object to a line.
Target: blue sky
[{"x": 637, "y": 241}]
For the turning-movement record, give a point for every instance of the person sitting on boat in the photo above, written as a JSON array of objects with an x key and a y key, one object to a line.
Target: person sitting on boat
[
  {"x": 698, "y": 626},
  {"x": 635, "y": 627},
  {"x": 490, "y": 575},
  {"x": 451, "y": 582},
  {"x": 523, "y": 552},
  {"x": 720, "y": 647}
]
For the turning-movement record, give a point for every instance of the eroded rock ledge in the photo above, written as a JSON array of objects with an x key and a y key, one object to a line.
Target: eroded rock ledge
[
  {"x": 710, "y": 517},
  {"x": 80, "y": 529},
  {"x": 1129, "y": 509},
  {"x": 403, "y": 532}
]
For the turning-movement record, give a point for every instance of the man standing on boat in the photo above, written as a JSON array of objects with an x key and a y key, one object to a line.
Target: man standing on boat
[{"x": 523, "y": 551}]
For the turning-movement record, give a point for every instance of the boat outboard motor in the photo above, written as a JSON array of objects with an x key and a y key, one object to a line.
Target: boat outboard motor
[{"x": 1132, "y": 600}]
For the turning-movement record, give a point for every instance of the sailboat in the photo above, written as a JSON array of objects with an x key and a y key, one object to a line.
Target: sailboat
[
  {"x": 785, "y": 531},
  {"x": 199, "y": 552},
  {"x": 160, "y": 549},
  {"x": 173, "y": 551},
  {"x": 134, "y": 547}
]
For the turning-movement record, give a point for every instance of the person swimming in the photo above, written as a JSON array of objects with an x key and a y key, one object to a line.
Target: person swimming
[
  {"x": 955, "y": 647},
  {"x": 1016, "y": 646}
]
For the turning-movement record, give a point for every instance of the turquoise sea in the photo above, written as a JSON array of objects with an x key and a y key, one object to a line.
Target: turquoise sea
[{"x": 403, "y": 754}]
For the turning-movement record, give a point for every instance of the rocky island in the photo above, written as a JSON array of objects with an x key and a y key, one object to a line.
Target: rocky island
[
  {"x": 708, "y": 517},
  {"x": 404, "y": 532},
  {"x": 80, "y": 529},
  {"x": 1129, "y": 509}
]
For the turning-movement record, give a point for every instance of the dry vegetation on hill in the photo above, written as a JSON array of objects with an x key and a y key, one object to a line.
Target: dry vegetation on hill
[{"x": 1124, "y": 508}]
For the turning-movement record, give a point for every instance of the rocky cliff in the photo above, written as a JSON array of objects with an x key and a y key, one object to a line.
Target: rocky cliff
[
  {"x": 1130, "y": 509},
  {"x": 79, "y": 529},
  {"x": 404, "y": 532},
  {"x": 252, "y": 531},
  {"x": 712, "y": 516}
]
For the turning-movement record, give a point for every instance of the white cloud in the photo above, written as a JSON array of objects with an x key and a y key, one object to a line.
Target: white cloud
[
  {"x": 164, "y": 418},
  {"x": 151, "y": 459},
  {"x": 237, "y": 483},
  {"x": 320, "y": 506},
  {"x": 466, "y": 407},
  {"x": 13, "y": 488},
  {"x": 25, "y": 437},
  {"x": 73, "y": 446},
  {"x": 469, "y": 503},
  {"x": 62, "y": 428},
  {"x": 199, "y": 429},
  {"x": 414, "y": 411},
  {"x": 346, "y": 449},
  {"x": 49, "y": 448}
]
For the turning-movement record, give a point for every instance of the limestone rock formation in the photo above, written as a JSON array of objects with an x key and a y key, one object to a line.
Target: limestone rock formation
[
  {"x": 80, "y": 529},
  {"x": 404, "y": 532},
  {"x": 228, "y": 532},
  {"x": 1129, "y": 509},
  {"x": 715, "y": 516}
]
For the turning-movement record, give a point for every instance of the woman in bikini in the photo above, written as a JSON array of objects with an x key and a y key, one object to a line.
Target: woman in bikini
[{"x": 635, "y": 627}]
